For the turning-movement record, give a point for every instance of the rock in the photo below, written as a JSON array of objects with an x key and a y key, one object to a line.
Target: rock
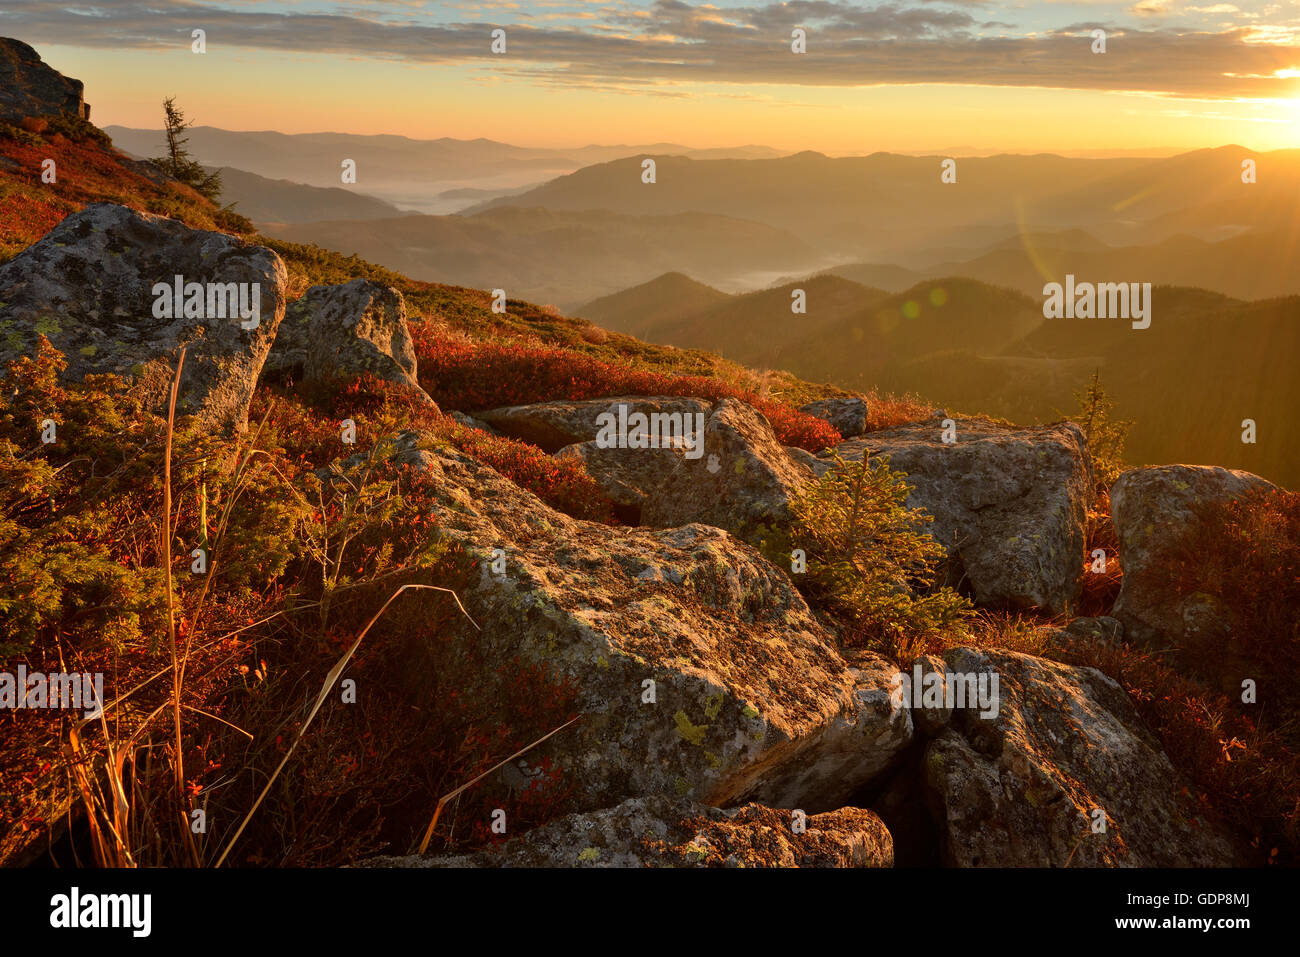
[
  {"x": 848, "y": 415},
  {"x": 665, "y": 832},
  {"x": 1105, "y": 629},
  {"x": 553, "y": 425},
  {"x": 1008, "y": 503},
  {"x": 739, "y": 477},
  {"x": 629, "y": 477},
  {"x": 30, "y": 87},
  {"x": 346, "y": 330},
  {"x": 472, "y": 423},
  {"x": 812, "y": 463},
  {"x": 88, "y": 287},
  {"x": 1152, "y": 509},
  {"x": 929, "y": 721},
  {"x": 752, "y": 701},
  {"x": 1022, "y": 790}
]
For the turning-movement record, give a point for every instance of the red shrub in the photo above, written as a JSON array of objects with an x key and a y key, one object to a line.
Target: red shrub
[
  {"x": 307, "y": 422},
  {"x": 468, "y": 376}
]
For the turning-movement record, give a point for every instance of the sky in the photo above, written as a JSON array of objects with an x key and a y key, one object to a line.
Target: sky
[{"x": 906, "y": 75}]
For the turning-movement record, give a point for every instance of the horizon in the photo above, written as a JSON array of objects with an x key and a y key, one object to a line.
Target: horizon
[{"x": 967, "y": 152}]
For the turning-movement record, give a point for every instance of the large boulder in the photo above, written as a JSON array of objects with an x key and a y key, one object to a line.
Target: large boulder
[
  {"x": 1009, "y": 504},
  {"x": 743, "y": 480},
  {"x": 345, "y": 330},
  {"x": 1065, "y": 753},
  {"x": 89, "y": 287},
  {"x": 665, "y": 832},
  {"x": 1152, "y": 509},
  {"x": 553, "y": 425},
  {"x": 30, "y": 87},
  {"x": 732, "y": 473},
  {"x": 848, "y": 415},
  {"x": 698, "y": 668}
]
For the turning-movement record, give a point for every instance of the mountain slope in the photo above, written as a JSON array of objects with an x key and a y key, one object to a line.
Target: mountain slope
[
  {"x": 663, "y": 299},
  {"x": 759, "y": 328},
  {"x": 875, "y": 203},
  {"x": 281, "y": 201},
  {"x": 931, "y": 317}
]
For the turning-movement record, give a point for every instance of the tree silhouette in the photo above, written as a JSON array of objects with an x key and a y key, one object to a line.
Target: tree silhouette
[{"x": 178, "y": 163}]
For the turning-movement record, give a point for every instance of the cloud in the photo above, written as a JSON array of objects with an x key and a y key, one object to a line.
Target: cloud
[{"x": 679, "y": 42}]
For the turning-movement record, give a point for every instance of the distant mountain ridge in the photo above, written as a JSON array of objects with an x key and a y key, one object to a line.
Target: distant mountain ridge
[
  {"x": 1255, "y": 264},
  {"x": 398, "y": 169},
  {"x": 875, "y": 206}
]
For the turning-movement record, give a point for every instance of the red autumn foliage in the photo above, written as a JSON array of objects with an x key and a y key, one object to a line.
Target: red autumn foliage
[
  {"x": 307, "y": 421},
  {"x": 468, "y": 376}
]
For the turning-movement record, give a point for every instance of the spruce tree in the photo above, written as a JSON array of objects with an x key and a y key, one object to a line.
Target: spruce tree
[
  {"x": 1104, "y": 433},
  {"x": 178, "y": 163}
]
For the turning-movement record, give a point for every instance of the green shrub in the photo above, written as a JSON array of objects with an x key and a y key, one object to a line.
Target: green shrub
[
  {"x": 1104, "y": 433},
  {"x": 869, "y": 560}
]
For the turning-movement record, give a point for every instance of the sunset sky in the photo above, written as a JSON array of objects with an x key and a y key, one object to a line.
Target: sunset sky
[{"x": 904, "y": 75}]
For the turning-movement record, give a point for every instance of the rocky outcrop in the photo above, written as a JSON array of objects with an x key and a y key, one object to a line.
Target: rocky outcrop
[
  {"x": 1009, "y": 504},
  {"x": 1152, "y": 509},
  {"x": 553, "y": 425},
  {"x": 698, "y": 667},
  {"x": 664, "y": 832},
  {"x": 848, "y": 415},
  {"x": 30, "y": 87},
  {"x": 1065, "y": 754},
  {"x": 354, "y": 328},
  {"x": 102, "y": 287}
]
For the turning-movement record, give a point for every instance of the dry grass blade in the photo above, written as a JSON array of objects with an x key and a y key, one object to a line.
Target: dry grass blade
[
  {"x": 330, "y": 680},
  {"x": 171, "y": 611},
  {"x": 451, "y": 795}
]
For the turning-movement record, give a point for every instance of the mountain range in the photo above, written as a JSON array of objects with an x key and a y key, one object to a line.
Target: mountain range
[{"x": 407, "y": 172}]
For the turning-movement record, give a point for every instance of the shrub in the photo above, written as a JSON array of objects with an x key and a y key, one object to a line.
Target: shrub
[
  {"x": 19, "y": 134},
  {"x": 1100, "y": 589},
  {"x": 75, "y": 129},
  {"x": 868, "y": 559},
  {"x": 887, "y": 411},
  {"x": 1245, "y": 558},
  {"x": 1248, "y": 771}
]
